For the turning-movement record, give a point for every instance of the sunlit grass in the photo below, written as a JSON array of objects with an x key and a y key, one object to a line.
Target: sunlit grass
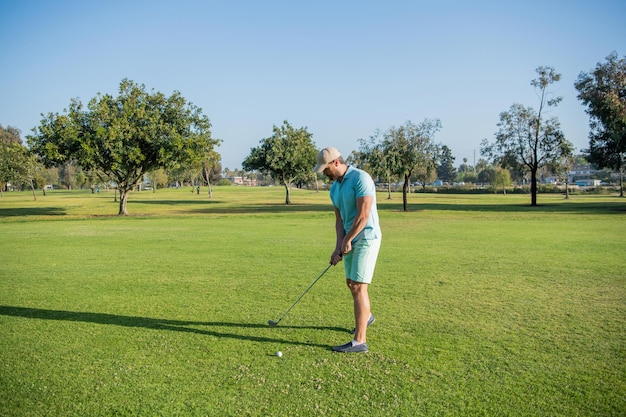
[{"x": 484, "y": 306}]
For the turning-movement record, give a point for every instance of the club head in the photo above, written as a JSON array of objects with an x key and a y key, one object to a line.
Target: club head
[{"x": 272, "y": 323}]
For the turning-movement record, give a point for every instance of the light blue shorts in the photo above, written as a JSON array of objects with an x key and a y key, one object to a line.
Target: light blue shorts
[{"x": 360, "y": 262}]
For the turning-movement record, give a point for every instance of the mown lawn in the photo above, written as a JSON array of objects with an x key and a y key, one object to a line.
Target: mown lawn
[{"x": 485, "y": 307}]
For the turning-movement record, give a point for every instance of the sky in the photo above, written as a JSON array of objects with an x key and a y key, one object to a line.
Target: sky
[{"x": 341, "y": 69}]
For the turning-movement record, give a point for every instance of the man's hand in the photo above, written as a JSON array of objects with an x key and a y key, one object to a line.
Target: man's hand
[
  {"x": 346, "y": 246},
  {"x": 335, "y": 258}
]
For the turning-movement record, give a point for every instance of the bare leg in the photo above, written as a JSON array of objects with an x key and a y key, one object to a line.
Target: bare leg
[{"x": 361, "y": 309}]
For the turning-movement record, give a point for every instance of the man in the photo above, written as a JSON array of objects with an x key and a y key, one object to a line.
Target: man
[{"x": 353, "y": 195}]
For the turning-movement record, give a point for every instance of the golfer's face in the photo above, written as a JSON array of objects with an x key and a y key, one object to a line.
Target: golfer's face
[{"x": 330, "y": 169}]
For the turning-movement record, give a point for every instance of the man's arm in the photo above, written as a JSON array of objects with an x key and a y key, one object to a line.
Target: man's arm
[
  {"x": 363, "y": 208},
  {"x": 340, "y": 232}
]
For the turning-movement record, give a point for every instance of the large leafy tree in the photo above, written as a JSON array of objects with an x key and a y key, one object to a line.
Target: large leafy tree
[
  {"x": 125, "y": 137},
  {"x": 527, "y": 135},
  {"x": 287, "y": 156},
  {"x": 409, "y": 148},
  {"x": 17, "y": 164},
  {"x": 11, "y": 158},
  {"x": 10, "y": 142},
  {"x": 603, "y": 91},
  {"x": 373, "y": 158}
]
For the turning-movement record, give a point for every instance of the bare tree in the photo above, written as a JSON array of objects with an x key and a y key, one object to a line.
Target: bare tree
[{"x": 528, "y": 135}]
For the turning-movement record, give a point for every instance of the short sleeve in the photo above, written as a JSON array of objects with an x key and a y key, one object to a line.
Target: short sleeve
[{"x": 365, "y": 185}]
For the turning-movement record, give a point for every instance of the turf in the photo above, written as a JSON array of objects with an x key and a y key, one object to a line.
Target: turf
[{"x": 484, "y": 306}]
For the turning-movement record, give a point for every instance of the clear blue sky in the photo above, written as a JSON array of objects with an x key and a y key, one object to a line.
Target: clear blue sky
[{"x": 340, "y": 68}]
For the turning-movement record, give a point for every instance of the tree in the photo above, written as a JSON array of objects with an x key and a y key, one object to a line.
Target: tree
[
  {"x": 527, "y": 135},
  {"x": 125, "y": 137},
  {"x": 562, "y": 166},
  {"x": 157, "y": 177},
  {"x": 50, "y": 176},
  {"x": 481, "y": 165},
  {"x": 503, "y": 178},
  {"x": 287, "y": 155},
  {"x": 373, "y": 158},
  {"x": 10, "y": 142},
  {"x": 67, "y": 174},
  {"x": 603, "y": 91},
  {"x": 463, "y": 168},
  {"x": 10, "y": 134},
  {"x": 445, "y": 170},
  {"x": 425, "y": 174},
  {"x": 411, "y": 147},
  {"x": 211, "y": 170},
  {"x": 9, "y": 163},
  {"x": 17, "y": 164},
  {"x": 487, "y": 175}
]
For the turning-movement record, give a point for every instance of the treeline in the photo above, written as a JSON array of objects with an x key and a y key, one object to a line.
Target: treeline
[{"x": 140, "y": 136}]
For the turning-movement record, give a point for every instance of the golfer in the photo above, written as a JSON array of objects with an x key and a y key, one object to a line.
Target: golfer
[{"x": 353, "y": 195}]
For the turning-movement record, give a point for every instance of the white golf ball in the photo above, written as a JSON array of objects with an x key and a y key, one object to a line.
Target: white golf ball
[{"x": 279, "y": 354}]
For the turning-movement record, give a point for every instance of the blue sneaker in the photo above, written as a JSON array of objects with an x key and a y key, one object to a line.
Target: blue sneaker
[
  {"x": 350, "y": 348},
  {"x": 369, "y": 322}
]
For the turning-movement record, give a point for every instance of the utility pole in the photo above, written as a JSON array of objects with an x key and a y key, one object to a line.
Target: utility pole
[{"x": 474, "y": 161}]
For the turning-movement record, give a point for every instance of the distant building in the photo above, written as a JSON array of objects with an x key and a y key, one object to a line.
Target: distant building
[
  {"x": 244, "y": 181},
  {"x": 580, "y": 170},
  {"x": 588, "y": 183}
]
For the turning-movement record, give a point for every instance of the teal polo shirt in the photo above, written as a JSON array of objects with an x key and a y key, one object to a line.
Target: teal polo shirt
[{"x": 343, "y": 194}]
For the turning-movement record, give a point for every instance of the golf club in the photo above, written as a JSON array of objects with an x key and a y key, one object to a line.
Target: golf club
[{"x": 274, "y": 323}]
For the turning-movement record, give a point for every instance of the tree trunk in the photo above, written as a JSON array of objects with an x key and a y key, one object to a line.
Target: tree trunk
[
  {"x": 621, "y": 178},
  {"x": 567, "y": 190},
  {"x": 287, "y": 194},
  {"x": 405, "y": 189},
  {"x": 32, "y": 187},
  {"x": 123, "y": 200},
  {"x": 533, "y": 186},
  {"x": 206, "y": 175}
]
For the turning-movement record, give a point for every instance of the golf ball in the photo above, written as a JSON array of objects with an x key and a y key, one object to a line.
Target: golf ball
[{"x": 279, "y": 354}]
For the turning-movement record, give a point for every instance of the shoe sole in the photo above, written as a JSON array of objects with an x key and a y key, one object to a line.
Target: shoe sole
[{"x": 351, "y": 351}]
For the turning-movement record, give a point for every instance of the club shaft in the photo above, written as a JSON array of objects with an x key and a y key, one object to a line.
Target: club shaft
[{"x": 305, "y": 291}]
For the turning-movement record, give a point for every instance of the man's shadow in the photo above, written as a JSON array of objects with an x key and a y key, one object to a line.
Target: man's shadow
[{"x": 159, "y": 324}]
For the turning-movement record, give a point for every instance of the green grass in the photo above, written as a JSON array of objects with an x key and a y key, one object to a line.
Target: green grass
[{"x": 485, "y": 306}]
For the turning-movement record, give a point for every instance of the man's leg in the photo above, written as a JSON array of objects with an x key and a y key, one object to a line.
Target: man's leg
[
  {"x": 361, "y": 300},
  {"x": 359, "y": 265}
]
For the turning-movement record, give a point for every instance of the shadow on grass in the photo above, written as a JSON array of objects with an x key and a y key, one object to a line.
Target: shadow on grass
[
  {"x": 158, "y": 324},
  {"x": 217, "y": 207},
  {"x": 213, "y": 206},
  {"x": 32, "y": 211},
  {"x": 565, "y": 208}
]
